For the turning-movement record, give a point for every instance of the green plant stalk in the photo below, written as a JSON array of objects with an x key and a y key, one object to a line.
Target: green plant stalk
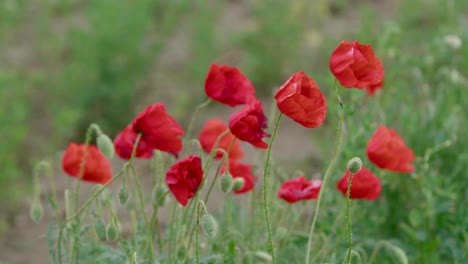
[
  {"x": 154, "y": 222},
  {"x": 192, "y": 121},
  {"x": 197, "y": 241},
  {"x": 348, "y": 218},
  {"x": 265, "y": 200},
  {"x": 331, "y": 167}
]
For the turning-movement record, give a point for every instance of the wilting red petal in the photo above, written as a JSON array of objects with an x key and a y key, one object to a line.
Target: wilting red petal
[
  {"x": 228, "y": 85},
  {"x": 364, "y": 185},
  {"x": 241, "y": 170},
  {"x": 301, "y": 99},
  {"x": 184, "y": 178},
  {"x": 355, "y": 65},
  {"x": 387, "y": 150},
  {"x": 299, "y": 189},
  {"x": 248, "y": 124},
  {"x": 210, "y": 133},
  {"x": 97, "y": 168}
]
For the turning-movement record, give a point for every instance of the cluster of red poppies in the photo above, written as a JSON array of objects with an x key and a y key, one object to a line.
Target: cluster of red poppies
[{"x": 353, "y": 64}]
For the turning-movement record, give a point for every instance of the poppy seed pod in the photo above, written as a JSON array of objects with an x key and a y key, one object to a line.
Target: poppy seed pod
[{"x": 354, "y": 165}]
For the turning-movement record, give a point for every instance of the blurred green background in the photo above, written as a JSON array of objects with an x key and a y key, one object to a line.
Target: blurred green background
[{"x": 67, "y": 63}]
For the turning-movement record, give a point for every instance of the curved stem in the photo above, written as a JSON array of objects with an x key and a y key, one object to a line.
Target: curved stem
[
  {"x": 265, "y": 200},
  {"x": 348, "y": 219},
  {"x": 192, "y": 121},
  {"x": 331, "y": 167}
]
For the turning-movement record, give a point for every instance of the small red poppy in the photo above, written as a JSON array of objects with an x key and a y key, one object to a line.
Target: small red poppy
[
  {"x": 298, "y": 189},
  {"x": 210, "y": 133},
  {"x": 248, "y": 124},
  {"x": 238, "y": 169},
  {"x": 387, "y": 150},
  {"x": 301, "y": 99},
  {"x": 355, "y": 65},
  {"x": 184, "y": 178},
  {"x": 97, "y": 168},
  {"x": 124, "y": 142},
  {"x": 158, "y": 130},
  {"x": 228, "y": 85},
  {"x": 364, "y": 185}
]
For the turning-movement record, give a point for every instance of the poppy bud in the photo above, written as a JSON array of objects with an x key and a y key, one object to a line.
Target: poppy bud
[
  {"x": 263, "y": 256},
  {"x": 105, "y": 145},
  {"x": 354, "y": 165},
  {"x": 209, "y": 225},
  {"x": 226, "y": 183},
  {"x": 181, "y": 253},
  {"x": 123, "y": 195},
  {"x": 37, "y": 211},
  {"x": 100, "y": 229},
  {"x": 112, "y": 232},
  {"x": 238, "y": 183},
  {"x": 158, "y": 193}
]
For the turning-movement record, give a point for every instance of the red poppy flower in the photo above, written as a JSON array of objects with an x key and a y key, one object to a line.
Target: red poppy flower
[
  {"x": 124, "y": 142},
  {"x": 356, "y": 65},
  {"x": 184, "y": 178},
  {"x": 210, "y": 133},
  {"x": 97, "y": 168},
  {"x": 248, "y": 124},
  {"x": 301, "y": 99},
  {"x": 158, "y": 130},
  {"x": 298, "y": 189},
  {"x": 228, "y": 85},
  {"x": 238, "y": 169},
  {"x": 387, "y": 150},
  {"x": 364, "y": 185}
]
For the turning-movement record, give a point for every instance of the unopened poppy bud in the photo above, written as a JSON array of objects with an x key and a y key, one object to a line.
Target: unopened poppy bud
[
  {"x": 238, "y": 183},
  {"x": 36, "y": 211},
  {"x": 226, "y": 183},
  {"x": 354, "y": 165},
  {"x": 112, "y": 232},
  {"x": 100, "y": 229},
  {"x": 105, "y": 145},
  {"x": 209, "y": 225},
  {"x": 262, "y": 255},
  {"x": 181, "y": 252},
  {"x": 123, "y": 195},
  {"x": 159, "y": 196}
]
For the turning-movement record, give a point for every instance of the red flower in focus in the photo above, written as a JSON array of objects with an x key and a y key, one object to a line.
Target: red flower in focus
[
  {"x": 387, "y": 150},
  {"x": 124, "y": 142},
  {"x": 248, "y": 124},
  {"x": 298, "y": 189},
  {"x": 97, "y": 168},
  {"x": 211, "y": 131},
  {"x": 356, "y": 65},
  {"x": 158, "y": 130},
  {"x": 228, "y": 85},
  {"x": 364, "y": 185},
  {"x": 241, "y": 170},
  {"x": 184, "y": 178},
  {"x": 301, "y": 99}
]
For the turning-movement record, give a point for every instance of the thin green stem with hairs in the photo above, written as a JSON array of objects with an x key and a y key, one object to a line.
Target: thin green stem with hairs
[
  {"x": 348, "y": 218},
  {"x": 265, "y": 196},
  {"x": 329, "y": 171}
]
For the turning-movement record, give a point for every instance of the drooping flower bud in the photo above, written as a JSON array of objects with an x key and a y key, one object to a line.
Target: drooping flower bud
[
  {"x": 36, "y": 211},
  {"x": 105, "y": 145},
  {"x": 209, "y": 225},
  {"x": 100, "y": 229},
  {"x": 123, "y": 195},
  {"x": 159, "y": 196},
  {"x": 238, "y": 183},
  {"x": 262, "y": 255},
  {"x": 112, "y": 232},
  {"x": 354, "y": 165},
  {"x": 226, "y": 183}
]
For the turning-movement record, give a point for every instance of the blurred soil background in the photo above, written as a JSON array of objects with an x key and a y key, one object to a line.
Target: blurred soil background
[{"x": 67, "y": 63}]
